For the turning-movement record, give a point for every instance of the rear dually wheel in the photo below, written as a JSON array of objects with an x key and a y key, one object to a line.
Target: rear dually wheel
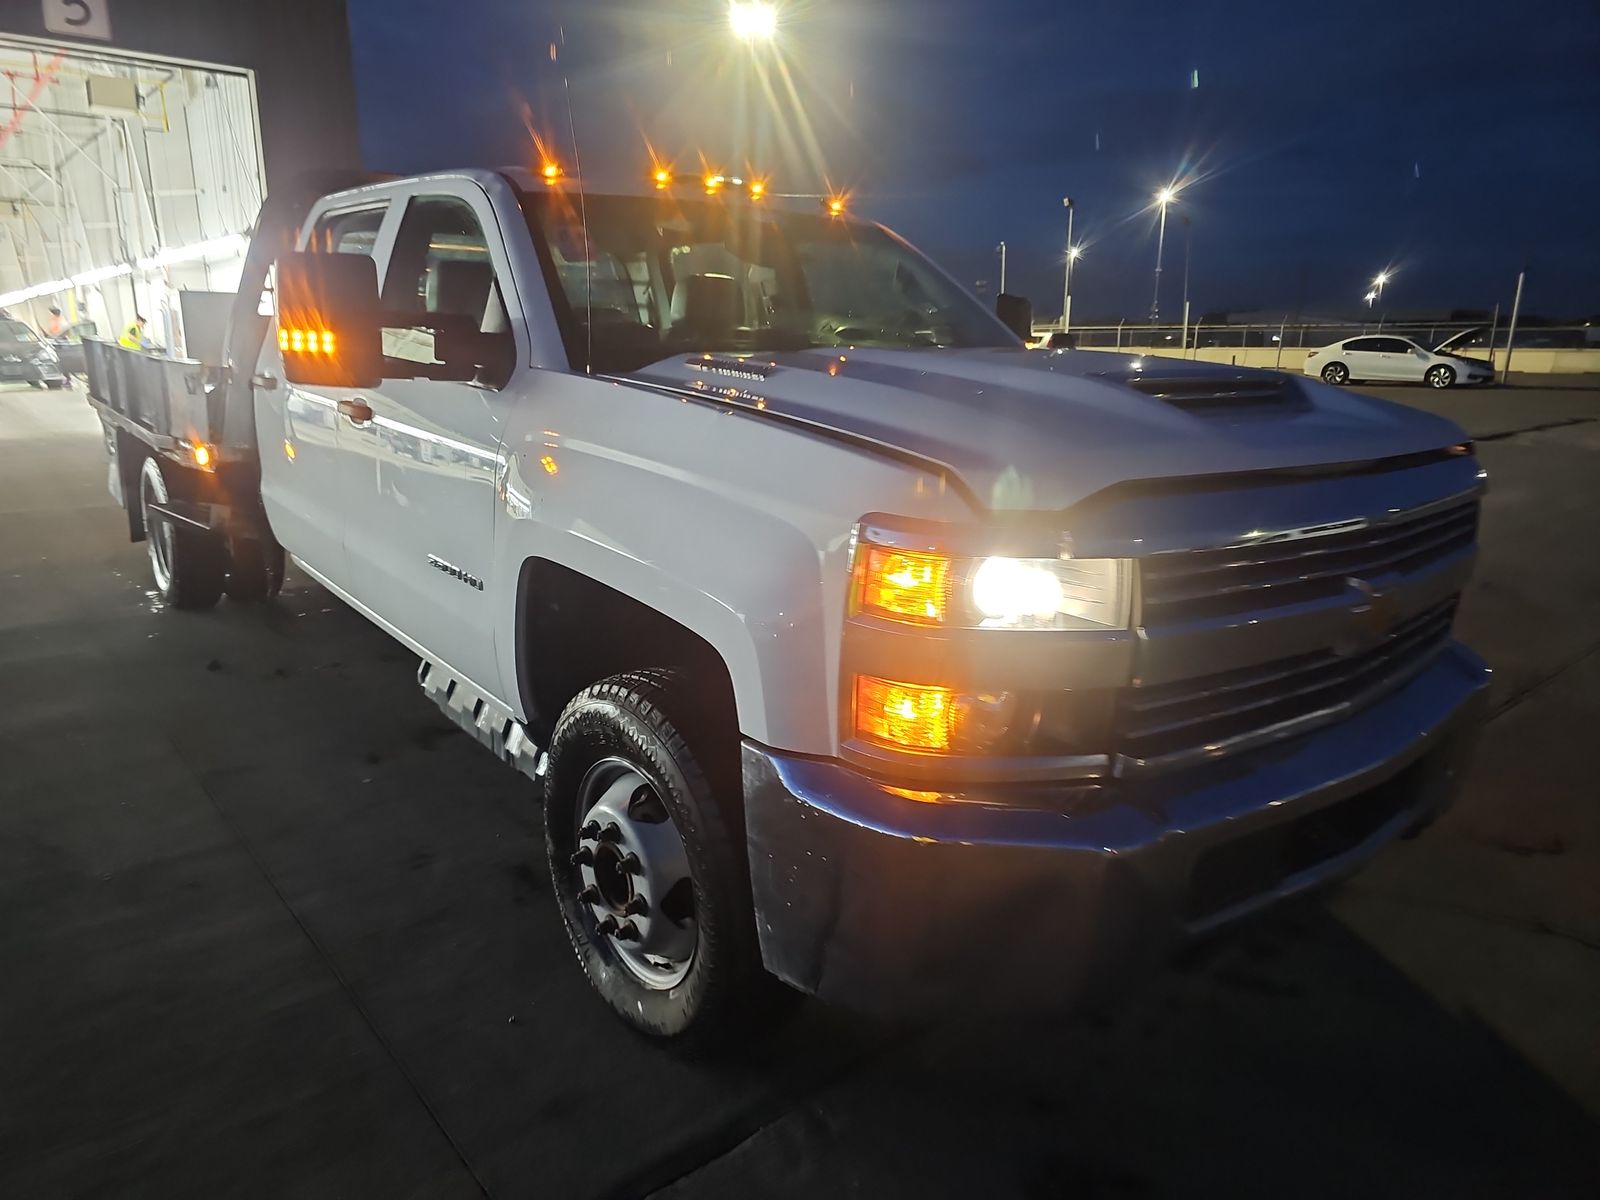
[{"x": 186, "y": 563}]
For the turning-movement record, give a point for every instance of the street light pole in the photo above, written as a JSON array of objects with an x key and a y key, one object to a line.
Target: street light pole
[
  {"x": 1188, "y": 241},
  {"x": 1002, "y": 249},
  {"x": 1511, "y": 330},
  {"x": 1066, "y": 289},
  {"x": 1163, "y": 198}
]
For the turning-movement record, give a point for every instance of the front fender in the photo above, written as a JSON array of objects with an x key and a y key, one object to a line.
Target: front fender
[{"x": 735, "y": 527}]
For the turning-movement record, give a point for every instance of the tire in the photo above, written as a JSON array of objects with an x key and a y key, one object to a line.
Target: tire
[
  {"x": 1336, "y": 373},
  {"x": 55, "y": 385},
  {"x": 187, "y": 564},
  {"x": 255, "y": 571},
  {"x": 1440, "y": 376},
  {"x": 36, "y": 383},
  {"x": 618, "y": 757}
]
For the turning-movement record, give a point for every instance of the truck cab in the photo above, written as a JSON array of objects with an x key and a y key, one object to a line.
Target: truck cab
[{"x": 847, "y": 641}]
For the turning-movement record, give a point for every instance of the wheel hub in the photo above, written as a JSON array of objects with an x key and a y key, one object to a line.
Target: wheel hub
[
  {"x": 158, "y": 531},
  {"x": 633, "y": 874}
]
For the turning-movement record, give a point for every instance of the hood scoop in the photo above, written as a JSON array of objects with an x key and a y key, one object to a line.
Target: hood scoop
[{"x": 1256, "y": 391}]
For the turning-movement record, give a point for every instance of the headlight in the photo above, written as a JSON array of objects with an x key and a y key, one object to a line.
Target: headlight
[
  {"x": 1044, "y": 593},
  {"x": 44, "y": 355},
  {"x": 927, "y": 585}
]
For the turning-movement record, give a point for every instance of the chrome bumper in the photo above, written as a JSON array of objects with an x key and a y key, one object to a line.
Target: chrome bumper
[{"x": 1012, "y": 897}]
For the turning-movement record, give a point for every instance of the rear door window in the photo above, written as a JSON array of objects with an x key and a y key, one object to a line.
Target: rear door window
[{"x": 352, "y": 231}]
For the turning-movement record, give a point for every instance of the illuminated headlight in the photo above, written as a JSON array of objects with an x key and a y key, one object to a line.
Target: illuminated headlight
[
  {"x": 919, "y": 581},
  {"x": 1046, "y": 593}
]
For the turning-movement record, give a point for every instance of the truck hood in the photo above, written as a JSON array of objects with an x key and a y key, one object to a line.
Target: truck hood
[{"x": 1029, "y": 429}]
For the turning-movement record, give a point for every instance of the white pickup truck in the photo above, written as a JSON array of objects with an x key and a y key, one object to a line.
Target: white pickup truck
[{"x": 850, "y": 642}]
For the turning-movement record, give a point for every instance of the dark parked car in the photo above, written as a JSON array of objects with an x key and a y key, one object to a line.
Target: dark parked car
[{"x": 26, "y": 358}]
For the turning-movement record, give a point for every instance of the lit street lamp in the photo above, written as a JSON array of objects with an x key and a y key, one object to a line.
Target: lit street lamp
[
  {"x": 1371, "y": 296},
  {"x": 755, "y": 23},
  {"x": 1163, "y": 198},
  {"x": 753, "y": 20}
]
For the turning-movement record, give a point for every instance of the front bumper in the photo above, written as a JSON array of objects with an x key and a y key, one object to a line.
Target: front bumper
[{"x": 868, "y": 897}]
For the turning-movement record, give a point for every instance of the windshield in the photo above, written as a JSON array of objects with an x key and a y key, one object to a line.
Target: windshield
[
  {"x": 14, "y": 331},
  {"x": 657, "y": 276}
]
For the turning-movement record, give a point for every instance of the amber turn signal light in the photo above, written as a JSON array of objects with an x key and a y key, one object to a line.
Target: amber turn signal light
[
  {"x": 905, "y": 716},
  {"x": 903, "y": 585},
  {"x": 930, "y": 719},
  {"x": 306, "y": 341}
]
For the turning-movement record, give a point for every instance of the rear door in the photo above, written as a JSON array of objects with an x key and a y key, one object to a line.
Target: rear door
[
  {"x": 422, "y": 474},
  {"x": 1362, "y": 357},
  {"x": 299, "y": 427}
]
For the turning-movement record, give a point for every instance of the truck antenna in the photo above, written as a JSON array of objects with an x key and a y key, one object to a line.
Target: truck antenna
[{"x": 583, "y": 216}]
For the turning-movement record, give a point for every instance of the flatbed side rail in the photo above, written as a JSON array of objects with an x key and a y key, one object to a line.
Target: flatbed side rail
[{"x": 165, "y": 396}]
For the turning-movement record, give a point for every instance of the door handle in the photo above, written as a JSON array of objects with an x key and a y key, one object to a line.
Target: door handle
[
  {"x": 265, "y": 383},
  {"x": 359, "y": 411}
]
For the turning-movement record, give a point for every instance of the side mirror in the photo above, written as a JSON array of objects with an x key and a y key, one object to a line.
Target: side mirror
[
  {"x": 329, "y": 327},
  {"x": 1016, "y": 314}
]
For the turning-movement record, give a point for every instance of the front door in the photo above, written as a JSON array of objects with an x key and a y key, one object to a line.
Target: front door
[
  {"x": 1395, "y": 359},
  {"x": 301, "y": 433},
  {"x": 424, "y": 470}
]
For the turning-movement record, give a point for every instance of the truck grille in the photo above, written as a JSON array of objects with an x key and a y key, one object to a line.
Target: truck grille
[
  {"x": 1172, "y": 724},
  {"x": 1188, "y": 585}
]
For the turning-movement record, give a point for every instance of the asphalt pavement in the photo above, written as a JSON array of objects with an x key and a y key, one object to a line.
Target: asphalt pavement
[{"x": 270, "y": 926}]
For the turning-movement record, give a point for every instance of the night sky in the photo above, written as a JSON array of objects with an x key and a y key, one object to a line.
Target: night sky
[{"x": 1455, "y": 143}]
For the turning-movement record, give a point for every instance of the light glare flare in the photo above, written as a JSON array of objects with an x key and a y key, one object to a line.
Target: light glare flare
[{"x": 753, "y": 20}]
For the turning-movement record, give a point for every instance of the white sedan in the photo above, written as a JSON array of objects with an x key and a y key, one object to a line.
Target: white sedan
[{"x": 1389, "y": 359}]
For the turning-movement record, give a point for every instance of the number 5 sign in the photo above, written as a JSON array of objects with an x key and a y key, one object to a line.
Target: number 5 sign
[{"x": 81, "y": 18}]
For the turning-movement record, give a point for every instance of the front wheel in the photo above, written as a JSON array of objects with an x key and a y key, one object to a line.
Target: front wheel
[
  {"x": 1440, "y": 376},
  {"x": 55, "y": 385},
  {"x": 1336, "y": 373},
  {"x": 648, "y": 874},
  {"x": 186, "y": 563}
]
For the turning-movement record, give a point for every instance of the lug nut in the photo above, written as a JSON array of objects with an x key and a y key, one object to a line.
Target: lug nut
[
  {"x": 590, "y": 831},
  {"x": 608, "y": 926},
  {"x": 590, "y": 895},
  {"x": 629, "y": 864},
  {"x": 627, "y": 932},
  {"x": 582, "y": 857},
  {"x": 611, "y": 832},
  {"x": 636, "y": 907}
]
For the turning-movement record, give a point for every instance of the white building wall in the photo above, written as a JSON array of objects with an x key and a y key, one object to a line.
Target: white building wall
[{"x": 82, "y": 190}]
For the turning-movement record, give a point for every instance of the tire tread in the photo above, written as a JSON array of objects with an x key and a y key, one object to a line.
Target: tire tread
[{"x": 653, "y": 696}]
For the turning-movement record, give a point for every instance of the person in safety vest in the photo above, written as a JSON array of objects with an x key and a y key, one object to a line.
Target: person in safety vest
[
  {"x": 55, "y": 325},
  {"x": 133, "y": 336}
]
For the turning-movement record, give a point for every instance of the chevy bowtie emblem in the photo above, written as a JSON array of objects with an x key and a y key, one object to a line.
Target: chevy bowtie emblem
[{"x": 1371, "y": 616}]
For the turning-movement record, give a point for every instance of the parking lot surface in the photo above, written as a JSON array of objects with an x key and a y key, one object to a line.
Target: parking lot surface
[{"x": 270, "y": 926}]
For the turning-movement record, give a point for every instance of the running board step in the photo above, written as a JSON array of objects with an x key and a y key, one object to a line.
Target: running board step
[{"x": 484, "y": 717}]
